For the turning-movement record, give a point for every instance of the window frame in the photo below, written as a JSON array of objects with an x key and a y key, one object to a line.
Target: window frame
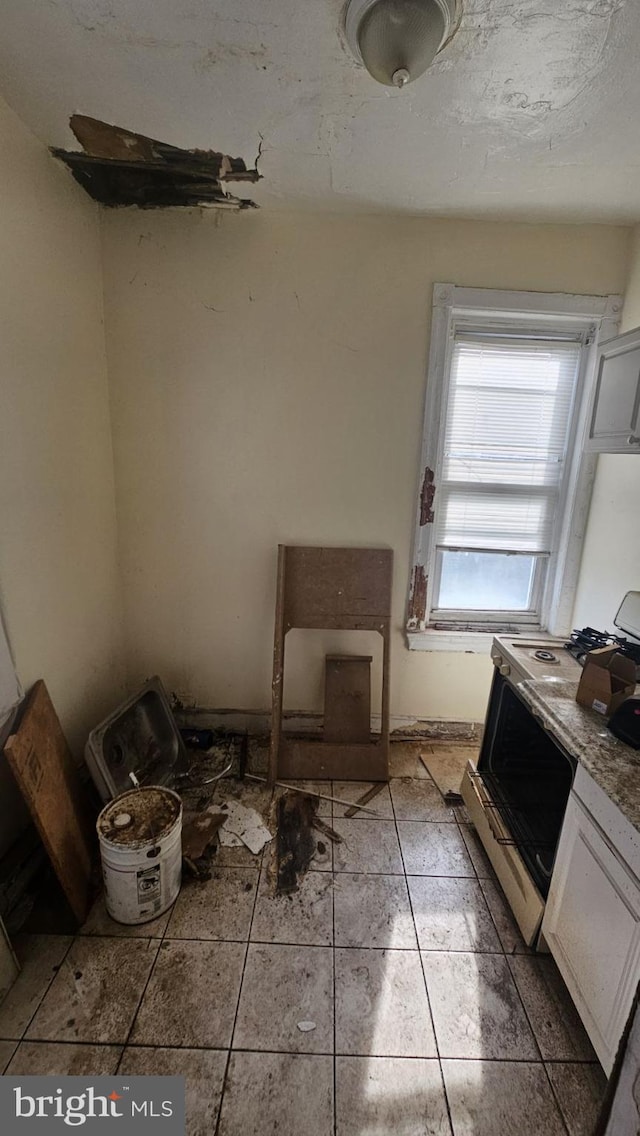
[{"x": 594, "y": 317}]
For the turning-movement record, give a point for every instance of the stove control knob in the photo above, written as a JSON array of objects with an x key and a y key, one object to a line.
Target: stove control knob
[
  {"x": 504, "y": 669},
  {"x": 497, "y": 660}
]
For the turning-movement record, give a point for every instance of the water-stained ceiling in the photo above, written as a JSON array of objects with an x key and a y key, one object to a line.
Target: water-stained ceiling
[{"x": 531, "y": 112}]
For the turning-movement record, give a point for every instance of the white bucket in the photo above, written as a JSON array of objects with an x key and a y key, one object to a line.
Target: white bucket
[{"x": 140, "y": 834}]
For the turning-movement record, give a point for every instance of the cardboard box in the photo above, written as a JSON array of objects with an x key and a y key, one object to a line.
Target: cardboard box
[{"x": 607, "y": 679}]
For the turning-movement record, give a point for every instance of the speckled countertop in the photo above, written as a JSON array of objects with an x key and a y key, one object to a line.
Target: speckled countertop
[{"x": 614, "y": 766}]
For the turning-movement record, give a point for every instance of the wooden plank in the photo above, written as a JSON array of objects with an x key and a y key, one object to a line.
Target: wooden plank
[
  {"x": 364, "y": 799},
  {"x": 277, "y": 681},
  {"x": 49, "y": 781},
  {"x": 337, "y": 587},
  {"x": 307, "y": 793},
  {"x": 347, "y": 698},
  {"x": 301, "y": 759}
]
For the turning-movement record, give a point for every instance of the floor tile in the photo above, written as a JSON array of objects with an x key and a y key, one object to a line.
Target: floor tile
[
  {"x": 372, "y": 911},
  {"x": 219, "y": 908},
  {"x": 479, "y": 858},
  {"x": 382, "y": 1095},
  {"x": 100, "y": 922},
  {"x": 305, "y": 917},
  {"x": 203, "y": 1070},
  {"x": 476, "y": 1009},
  {"x": 432, "y": 849},
  {"x": 497, "y": 1098},
  {"x": 241, "y": 857},
  {"x": 553, "y": 1016},
  {"x": 282, "y": 986},
  {"x": 192, "y": 995},
  {"x": 314, "y": 788},
  {"x": 368, "y": 846},
  {"x": 277, "y": 1094},
  {"x": 321, "y": 860},
  {"x": 7, "y": 1050},
  {"x": 506, "y": 926},
  {"x": 96, "y": 991},
  {"x": 451, "y": 915},
  {"x": 419, "y": 800},
  {"x": 352, "y": 790},
  {"x": 381, "y": 1005},
  {"x": 404, "y": 760},
  {"x": 40, "y": 957},
  {"x": 51, "y": 1058},
  {"x": 579, "y": 1091}
]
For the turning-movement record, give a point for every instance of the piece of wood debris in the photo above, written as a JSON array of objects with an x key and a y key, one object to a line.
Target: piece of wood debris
[
  {"x": 40, "y": 760},
  {"x": 120, "y": 167},
  {"x": 305, "y": 792},
  {"x": 295, "y": 842},
  {"x": 330, "y": 833},
  {"x": 365, "y": 798}
]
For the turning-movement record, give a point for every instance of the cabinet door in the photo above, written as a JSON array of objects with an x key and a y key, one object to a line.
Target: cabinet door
[
  {"x": 614, "y": 424},
  {"x": 592, "y": 927}
]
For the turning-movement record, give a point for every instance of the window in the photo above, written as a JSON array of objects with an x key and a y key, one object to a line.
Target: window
[{"x": 505, "y": 485}]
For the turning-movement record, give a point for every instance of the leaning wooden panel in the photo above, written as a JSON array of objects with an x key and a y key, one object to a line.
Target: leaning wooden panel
[
  {"x": 331, "y": 588},
  {"x": 337, "y": 587},
  {"x": 316, "y": 760},
  {"x": 48, "y": 779}
]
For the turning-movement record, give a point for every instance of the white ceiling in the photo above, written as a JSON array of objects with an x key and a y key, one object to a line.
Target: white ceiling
[{"x": 531, "y": 112}]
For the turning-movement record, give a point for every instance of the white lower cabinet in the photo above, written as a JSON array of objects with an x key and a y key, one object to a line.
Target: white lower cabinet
[{"x": 592, "y": 917}]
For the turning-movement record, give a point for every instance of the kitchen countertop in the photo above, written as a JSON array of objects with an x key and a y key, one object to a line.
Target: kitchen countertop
[{"x": 583, "y": 733}]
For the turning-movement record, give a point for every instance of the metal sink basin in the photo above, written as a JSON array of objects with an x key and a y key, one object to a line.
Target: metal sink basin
[{"x": 140, "y": 737}]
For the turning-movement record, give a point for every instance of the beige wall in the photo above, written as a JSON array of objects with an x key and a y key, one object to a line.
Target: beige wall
[
  {"x": 611, "y": 556},
  {"x": 58, "y": 566},
  {"x": 267, "y": 376}
]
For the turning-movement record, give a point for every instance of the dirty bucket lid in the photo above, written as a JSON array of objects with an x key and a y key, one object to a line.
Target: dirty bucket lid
[{"x": 139, "y": 816}]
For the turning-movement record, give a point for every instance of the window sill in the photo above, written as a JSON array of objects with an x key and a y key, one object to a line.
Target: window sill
[{"x": 469, "y": 642}]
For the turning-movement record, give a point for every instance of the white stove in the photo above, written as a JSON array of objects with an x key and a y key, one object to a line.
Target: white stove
[{"x": 536, "y": 657}]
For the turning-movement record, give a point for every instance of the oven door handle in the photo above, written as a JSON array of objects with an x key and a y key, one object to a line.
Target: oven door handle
[{"x": 492, "y": 812}]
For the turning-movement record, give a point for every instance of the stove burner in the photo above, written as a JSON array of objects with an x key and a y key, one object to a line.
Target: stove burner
[
  {"x": 545, "y": 656},
  {"x": 587, "y": 639}
]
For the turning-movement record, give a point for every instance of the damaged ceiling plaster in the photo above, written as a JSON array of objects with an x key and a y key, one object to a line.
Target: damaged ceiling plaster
[
  {"x": 530, "y": 112},
  {"x": 118, "y": 167}
]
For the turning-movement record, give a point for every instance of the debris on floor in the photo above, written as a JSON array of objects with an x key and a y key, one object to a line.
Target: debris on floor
[
  {"x": 295, "y": 842},
  {"x": 199, "y": 833},
  {"x": 243, "y": 824},
  {"x": 306, "y": 1027},
  {"x": 447, "y": 770},
  {"x": 120, "y": 167},
  {"x": 324, "y": 828}
]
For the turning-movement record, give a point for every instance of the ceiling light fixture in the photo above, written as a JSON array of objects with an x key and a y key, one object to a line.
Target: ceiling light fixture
[{"x": 396, "y": 40}]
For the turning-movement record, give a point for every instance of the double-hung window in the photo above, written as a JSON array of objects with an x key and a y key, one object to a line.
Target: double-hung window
[{"x": 505, "y": 485}]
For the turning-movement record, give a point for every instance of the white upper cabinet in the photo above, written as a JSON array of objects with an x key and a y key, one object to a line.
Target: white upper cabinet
[{"x": 614, "y": 426}]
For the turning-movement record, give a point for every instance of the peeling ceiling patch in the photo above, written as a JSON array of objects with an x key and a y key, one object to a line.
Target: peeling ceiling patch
[{"x": 119, "y": 167}]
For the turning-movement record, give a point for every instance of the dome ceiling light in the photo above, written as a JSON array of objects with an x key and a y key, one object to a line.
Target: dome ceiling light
[{"x": 396, "y": 40}]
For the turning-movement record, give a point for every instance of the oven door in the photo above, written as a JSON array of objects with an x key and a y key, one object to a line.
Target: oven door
[
  {"x": 517, "y": 800},
  {"x": 522, "y": 894}
]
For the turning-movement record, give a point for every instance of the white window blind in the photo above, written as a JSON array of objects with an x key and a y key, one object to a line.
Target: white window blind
[{"x": 508, "y": 413}]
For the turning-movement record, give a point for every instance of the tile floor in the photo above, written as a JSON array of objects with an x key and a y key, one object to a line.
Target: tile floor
[{"x": 430, "y": 1017}]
